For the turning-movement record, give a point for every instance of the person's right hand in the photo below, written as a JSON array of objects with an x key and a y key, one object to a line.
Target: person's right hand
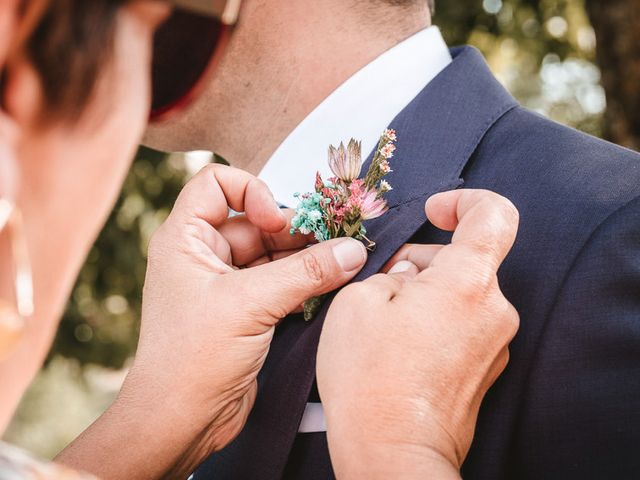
[
  {"x": 214, "y": 292},
  {"x": 406, "y": 357}
]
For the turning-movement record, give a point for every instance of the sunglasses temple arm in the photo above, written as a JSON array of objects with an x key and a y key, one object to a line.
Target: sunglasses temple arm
[{"x": 226, "y": 11}]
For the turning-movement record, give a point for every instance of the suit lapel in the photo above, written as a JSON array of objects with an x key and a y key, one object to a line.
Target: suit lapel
[{"x": 437, "y": 134}]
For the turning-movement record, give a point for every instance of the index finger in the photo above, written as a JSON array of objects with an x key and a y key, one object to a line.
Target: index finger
[
  {"x": 484, "y": 223},
  {"x": 216, "y": 188},
  {"x": 249, "y": 243}
]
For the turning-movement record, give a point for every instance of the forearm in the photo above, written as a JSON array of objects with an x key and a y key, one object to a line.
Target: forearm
[{"x": 140, "y": 438}]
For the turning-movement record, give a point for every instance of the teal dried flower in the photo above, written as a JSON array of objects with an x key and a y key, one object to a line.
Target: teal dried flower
[{"x": 310, "y": 216}]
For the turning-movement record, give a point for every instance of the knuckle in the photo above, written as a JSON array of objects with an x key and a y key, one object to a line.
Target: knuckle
[
  {"x": 483, "y": 248},
  {"x": 212, "y": 168},
  {"x": 476, "y": 284},
  {"x": 512, "y": 321},
  {"x": 201, "y": 176},
  {"x": 223, "y": 250},
  {"x": 495, "y": 200},
  {"x": 502, "y": 217},
  {"x": 509, "y": 211},
  {"x": 486, "y": 280},
  {"x": 507, "y": 321},
  {"x": 507, "y": 217},
  {"x": 268, "y": 241},
  {"x": 354, "y": 293},
  {"x": 384, "y": 281},
  {"x": 353, "y": 290},
  {"x": 503, "y": 361},
  {"x": 476, "y": 196},
  {"x": 314, "y": 268}
]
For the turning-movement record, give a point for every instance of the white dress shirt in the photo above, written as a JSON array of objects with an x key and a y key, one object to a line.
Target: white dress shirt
[{"x": 362, "y": 107}]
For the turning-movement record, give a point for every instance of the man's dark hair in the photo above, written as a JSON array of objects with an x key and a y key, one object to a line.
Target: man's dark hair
[{"x": 69, "y": 46}]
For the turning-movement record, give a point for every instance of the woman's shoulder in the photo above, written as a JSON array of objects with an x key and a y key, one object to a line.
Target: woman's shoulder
[{"x": 16, "y": 464}]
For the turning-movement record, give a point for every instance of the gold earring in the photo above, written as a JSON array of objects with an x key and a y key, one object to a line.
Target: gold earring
[{"x": 13, "y": 318}]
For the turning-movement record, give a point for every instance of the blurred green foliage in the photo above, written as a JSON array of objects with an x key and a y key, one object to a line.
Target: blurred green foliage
[
  {"x": 542, "y": 50},
  {"x": 101, "y": 321}
]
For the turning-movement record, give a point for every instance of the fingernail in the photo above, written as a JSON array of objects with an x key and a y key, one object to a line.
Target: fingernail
[
  {"x": 402, "y": 266},
  {"x": 350, "y": 254}
]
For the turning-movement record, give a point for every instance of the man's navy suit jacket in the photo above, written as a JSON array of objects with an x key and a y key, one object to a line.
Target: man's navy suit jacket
[{"x": 568, "y": 405}]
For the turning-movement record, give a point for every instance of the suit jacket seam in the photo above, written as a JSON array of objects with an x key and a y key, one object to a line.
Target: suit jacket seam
[
  {"x": 488, "y": 125},
  {"x": 441, "y": 188},
  {"x": 508, "y": 107}
]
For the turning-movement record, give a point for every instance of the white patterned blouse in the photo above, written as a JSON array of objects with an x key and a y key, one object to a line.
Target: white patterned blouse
[{"x": 16, "y": 464}]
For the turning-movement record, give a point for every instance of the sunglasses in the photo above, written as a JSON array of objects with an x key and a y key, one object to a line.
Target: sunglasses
[{"x": 187, "y": 47}]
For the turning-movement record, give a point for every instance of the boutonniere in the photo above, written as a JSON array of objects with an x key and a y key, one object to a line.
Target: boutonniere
[{"x": 339, "y": 206}]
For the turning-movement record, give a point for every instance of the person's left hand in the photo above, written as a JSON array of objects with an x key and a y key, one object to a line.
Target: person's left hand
[{"x": 406, "y": 357}]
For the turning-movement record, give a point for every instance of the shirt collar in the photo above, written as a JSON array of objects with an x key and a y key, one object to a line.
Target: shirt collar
[{"x": 362, "y": 107}]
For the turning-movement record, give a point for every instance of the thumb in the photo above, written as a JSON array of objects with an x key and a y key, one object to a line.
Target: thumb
[{"x": 277, "y": 288}]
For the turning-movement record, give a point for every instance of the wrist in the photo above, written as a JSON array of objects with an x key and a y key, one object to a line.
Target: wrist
[
  {"x": 168, "y": 435},
  {"x": 207, "y": 419},
  {"x": 376, "y": 443},
  {"x": 134, "y": 439},
  {"x": 373, "y": 460},
  {"x": 155, "y": 402}
]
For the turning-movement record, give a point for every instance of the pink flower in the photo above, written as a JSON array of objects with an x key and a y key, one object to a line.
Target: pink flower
[
  {"x": 385, "y": 186},
  {"x": 387, "y": 150},
  {"x": 371, "y": 206},
  {"x": 337, "y": 212},
  {"x": 319, "y": 183},
  {"x": 346, "y": 163},
  {"x": 384, "y": 167},
  {"x": 390, "y": 134},
  {"x": 356, "y": 188}
]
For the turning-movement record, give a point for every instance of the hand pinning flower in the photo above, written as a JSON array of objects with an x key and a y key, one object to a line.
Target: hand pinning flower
[{"x": 339, "y": 207}]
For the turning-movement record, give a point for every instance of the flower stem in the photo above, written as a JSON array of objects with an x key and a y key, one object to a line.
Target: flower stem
[{"x": 312, "y": 307}]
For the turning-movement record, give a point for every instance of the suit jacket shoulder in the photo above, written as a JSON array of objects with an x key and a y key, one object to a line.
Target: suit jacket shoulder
[
  {"x": 549, "y": 168},
  {"x": 569, "y": 403}
]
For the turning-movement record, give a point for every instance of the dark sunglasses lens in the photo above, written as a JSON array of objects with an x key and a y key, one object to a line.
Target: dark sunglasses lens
[{"x": 183, "y": 48}]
